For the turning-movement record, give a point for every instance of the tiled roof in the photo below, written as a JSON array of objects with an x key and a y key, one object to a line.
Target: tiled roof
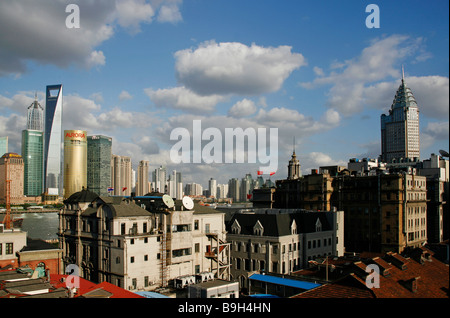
[
  {"x": 109, "y": 290},
  {"x": 350, "y": 286},
  {"x": 400, "y": 277}
]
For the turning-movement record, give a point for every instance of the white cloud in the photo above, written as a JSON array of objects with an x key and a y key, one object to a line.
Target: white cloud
[
  {"x": 12, "y": 127},
  {"x": 183, "y": 99},
  {"x": 131, "y": 13},
  {"x": 170, "y": 13},
  {"x": 242, "y": 108},
  {"x": 235, "y": 68},
  {"x": 314, "y": 160},
  {"x": 124, "y": 95},
  {"x": 430, "y": 92},
  {"x": 437, "y": 130},
  {"x": 40, "y": 33},
  {"x": 378, "y": 61}
]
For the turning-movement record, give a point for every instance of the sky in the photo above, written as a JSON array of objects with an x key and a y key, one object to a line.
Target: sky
[{"x": 141, "y": 70}]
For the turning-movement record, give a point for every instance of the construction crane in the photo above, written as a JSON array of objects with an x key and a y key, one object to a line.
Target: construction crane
[{"x": 7, "y": 219}]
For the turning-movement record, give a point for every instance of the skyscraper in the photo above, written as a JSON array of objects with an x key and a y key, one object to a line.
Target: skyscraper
[
  {"x": 400, "y": 129},
  {"x": 11, "y": 168},
  {"x": 233, "y": 189},
  {"x": 35, "y": 117},
  {"x": 3, "y": 145},
  {"x": 99, "y": 164},
  {"x": 160, "y": 179},
  {"x": 121, "y": 175},
  {"x": 53, "y": 139},
  {"x": 75, "y": 161},
  {"x": 142, "y": 178},
  {"x": 212, "y": 187},
  {"x": 33, "y": 158}
]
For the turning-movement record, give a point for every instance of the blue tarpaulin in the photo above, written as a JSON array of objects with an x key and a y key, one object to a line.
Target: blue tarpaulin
[{"x": 284, "y": 281}]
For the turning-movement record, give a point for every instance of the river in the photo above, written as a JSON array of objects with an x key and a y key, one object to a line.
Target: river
[{"x": 39, "y": 225}]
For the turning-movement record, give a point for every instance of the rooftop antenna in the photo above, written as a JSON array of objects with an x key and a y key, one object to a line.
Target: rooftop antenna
[
  {"x": 293, "y": 145},
  {"x": 403, "y": 74}
]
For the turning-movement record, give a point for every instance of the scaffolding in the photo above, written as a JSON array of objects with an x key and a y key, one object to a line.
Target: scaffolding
[
  {"x": 165, "y": 255},
  {"x": 219, "y": 253}
]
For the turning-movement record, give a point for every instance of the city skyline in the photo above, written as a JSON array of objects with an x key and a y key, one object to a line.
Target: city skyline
[{"x": 315, "y": 72}]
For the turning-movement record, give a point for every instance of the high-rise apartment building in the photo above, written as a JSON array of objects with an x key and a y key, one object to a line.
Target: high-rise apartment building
[
  {"x": 11, "y": 168},
  {"x": 53, "y": 139},
  {"x": 33, "y": 158},
  {"x": 142, "y": 178},
  {"x": 233, "y": 189},
  {"x": 212, "y": 187},
  {"x": 159, "y": 183},
  {"x": 99, "y": 164},
  {"x": 121, "y": 175},
  {"x": 75, "y": 161},
  {"x": 246, "y": 187},
  {"x": 176, "y": 185},
  {"x": 400, "y": 129}
]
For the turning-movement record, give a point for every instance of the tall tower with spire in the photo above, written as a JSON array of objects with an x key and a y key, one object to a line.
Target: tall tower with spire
[
  {"x": 35, "y": 118},
  {"x": 294, "y": 166},
  {"x": 400, "y": 128}
]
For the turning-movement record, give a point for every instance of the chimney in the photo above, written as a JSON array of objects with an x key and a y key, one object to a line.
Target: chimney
[{"x": 412, "y": 284}]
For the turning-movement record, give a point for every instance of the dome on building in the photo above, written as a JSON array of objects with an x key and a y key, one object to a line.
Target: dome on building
[
  {"x": 11, "y": 155},
  {"x": 84, "y": 195}
]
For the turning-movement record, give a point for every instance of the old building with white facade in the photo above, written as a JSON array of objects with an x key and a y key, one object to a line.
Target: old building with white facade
[
  {"x": 281, "y": 240},
  {"x": 141, "y": 243}
]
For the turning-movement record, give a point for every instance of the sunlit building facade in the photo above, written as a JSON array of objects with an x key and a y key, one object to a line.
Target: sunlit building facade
[
  {"x": 75, "y": 161},
  {"x": 400, "y": 129}
]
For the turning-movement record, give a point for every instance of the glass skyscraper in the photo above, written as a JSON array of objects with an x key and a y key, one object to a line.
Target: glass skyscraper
[
  {"x": 99, "y": 151},
  {"x": 3, "y": 145},
  {"x": 35, "y": 118},
  {"x": 33, "y": 157},
  {"x": 53, "y": 139}
]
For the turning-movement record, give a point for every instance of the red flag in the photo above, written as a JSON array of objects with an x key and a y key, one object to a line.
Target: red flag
[
  {"x": 123, "y": 189},
  {"x": 272, "y": 173},
  {"x": 249, "y": 196},
  {"x": 260, "y": 173}
]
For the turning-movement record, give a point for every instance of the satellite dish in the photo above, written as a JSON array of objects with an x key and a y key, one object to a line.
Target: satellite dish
[
  {"x": 168, "y": 201},
  {"x": 188, "y": 203},
  {"x": 444, "y": 153}
]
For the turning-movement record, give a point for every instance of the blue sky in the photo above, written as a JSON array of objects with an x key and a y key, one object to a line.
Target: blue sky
[{"x": 135, "y": 70}]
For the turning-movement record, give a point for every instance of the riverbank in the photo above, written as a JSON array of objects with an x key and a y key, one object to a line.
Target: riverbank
[{"x": 32, "y": 211}]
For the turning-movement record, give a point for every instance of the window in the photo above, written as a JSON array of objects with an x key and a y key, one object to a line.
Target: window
[
  {"x": 262, "y": 265},
  {"x": 132, "y": 241},
  {"x": 9, "y": 248},
  {"x": 146, "y": 281},
  {"x": 145, "y": 228},
  {"x": 145, "y": 257},
  {"x": 197, "y": 247},
  {"x": 132, "y": 259},
  {"x": 122, "y": 229},
  {"x": 207, "y": 228},
  {"x": 1, "y": 248},
  {"x": 196, "y": 225}
]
